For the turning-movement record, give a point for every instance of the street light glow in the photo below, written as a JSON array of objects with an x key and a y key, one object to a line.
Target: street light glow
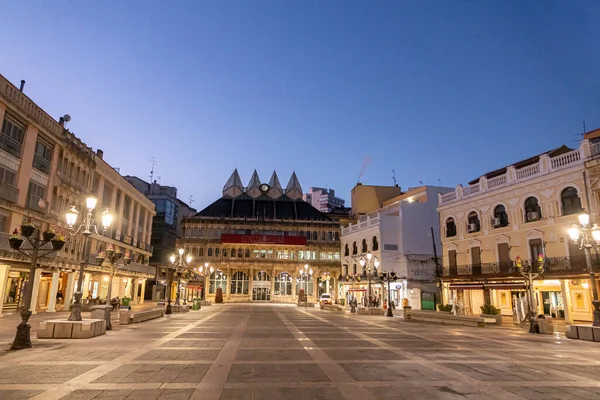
[
  {"x": 584, "y": 219},
  {"x": 172, "y": 258},
  {"x": 90, "y": 203}
]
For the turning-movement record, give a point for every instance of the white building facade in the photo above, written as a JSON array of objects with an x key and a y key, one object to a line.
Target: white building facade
[{"x": 399, "y": 236}]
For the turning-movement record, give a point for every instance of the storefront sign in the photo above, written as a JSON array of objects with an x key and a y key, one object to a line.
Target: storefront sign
[
  {"x": 261, "y": 284},
  {"x": 13, "y": 274},
  {"x": 127, "y": 239},
  {"x": 264, "y": 239},
  {"x": 143, "y": 245}
]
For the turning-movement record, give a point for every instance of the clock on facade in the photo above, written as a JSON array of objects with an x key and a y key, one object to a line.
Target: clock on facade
[{"x": 264, "y": 188}]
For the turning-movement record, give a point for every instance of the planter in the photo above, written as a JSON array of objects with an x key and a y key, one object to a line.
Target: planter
[
  {"x": 15, "y": 243},
  {"x": 58, "y": 244},
  {"x": 48, "y": 236},
  {"x": 498, "y": 318},
  {"x": 125, "y": 302},
  {"x": 99, "y": 260},
  {"x": 109, "y": 253},
  {"x": 27, "y": 230}
]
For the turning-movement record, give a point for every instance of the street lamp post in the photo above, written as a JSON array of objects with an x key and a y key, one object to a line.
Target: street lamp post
[
  {"x": 369, "y": 271},
  {"x": 112, "y": 257},
  {"x": 530, "y": 272},
  {"x": 388, "y": 277},
  {"x": 87, "y": 228},
  {"x": 588, "y": 237},
  {"x": 178, "y": 265},
  {"x": 38, "y": 249},
  {"x": 307, "y": 273}
]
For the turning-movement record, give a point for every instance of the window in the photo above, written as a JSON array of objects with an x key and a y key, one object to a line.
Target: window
[
  {"x": 283, "y": 284},
  {"x": 571, "y": 203},
  {"x": 473, "y": 221},
  {"x": 201, "y": 252},
  {"x": 450, "y": 227},
  {"x": 375, "y": 243},
  {"x": 306, "y": 283},
  {"x": 210, "y": 253},
  {"x": 4, "y": 220},
  {"x": 239, "y": 283},
  {"x": 354, "y": 248},
  {"x": 217, "y": 252},
  {"x": 35, "y": 194},
  {"x": 7, "y": 177},
  {"x": 533, "y": 212},
  {"x": 224, "y": 253},
  {"x": 346, "y": 267},
  {"x": 11, "y": 137},
  {"x": 247, "y": 253},
  {"x": 364, "y": 245},
  {"x": 262, "y": 276},
  {"x": 240, "y": 253},
  {"x": 233, "y": 253},
  {"x": 217, "y": 280},
  {"x": 346, "y": 250},
  {"x": 42, "y": 157},
  {"x": 500, "y": 216}
]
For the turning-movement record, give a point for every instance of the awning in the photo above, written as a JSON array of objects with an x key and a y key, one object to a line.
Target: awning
[
  {"x": 466, "y": 286},
  {"x": 357, "y": 290},
  {"x": 481, "y": 286}
]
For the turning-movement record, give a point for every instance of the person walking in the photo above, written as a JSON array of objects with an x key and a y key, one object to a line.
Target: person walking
[{"x": 59, "y": 297}]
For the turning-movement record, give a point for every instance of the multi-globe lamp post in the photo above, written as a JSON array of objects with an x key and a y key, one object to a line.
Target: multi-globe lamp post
[
  {"x": 588, "y": 237},
  {"x": 178, "y": 265},
  {"x": 388, "y": 277},
  {"x": 369, "y": 271},
  {"x": 86, "y": 228},
  {"x": 305, "y": 273}
]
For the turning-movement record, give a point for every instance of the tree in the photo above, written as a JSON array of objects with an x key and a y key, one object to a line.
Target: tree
[{"x": 219, "y": 296}]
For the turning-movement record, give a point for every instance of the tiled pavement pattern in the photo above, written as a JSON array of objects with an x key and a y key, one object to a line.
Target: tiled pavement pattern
[{"x": 284, "y": 352}]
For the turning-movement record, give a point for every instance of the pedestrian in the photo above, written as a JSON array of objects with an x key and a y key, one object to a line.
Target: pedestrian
[{"x": 59, "y": 296}]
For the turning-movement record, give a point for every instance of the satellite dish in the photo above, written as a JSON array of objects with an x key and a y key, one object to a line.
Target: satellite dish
[{"x": 67, "y": 117}]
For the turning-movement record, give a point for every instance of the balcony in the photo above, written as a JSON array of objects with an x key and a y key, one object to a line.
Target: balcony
[
  {"x": 41, "y": 164},
  {"x": 9, "y": 192},
  {"x": 10, "y": 145},
  {"x": 36, "y": 204},
  {"x": 365, "y": 221},
  {"x": 554, "y": 267},
  {"x": 513, "y": 175}
]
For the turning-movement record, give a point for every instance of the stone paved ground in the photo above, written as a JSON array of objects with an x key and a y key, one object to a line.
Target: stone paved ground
[{"x": 284, "y": 352}]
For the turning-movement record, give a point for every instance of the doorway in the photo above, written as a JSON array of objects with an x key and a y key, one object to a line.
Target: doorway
[{"x": 261, "y": 294}]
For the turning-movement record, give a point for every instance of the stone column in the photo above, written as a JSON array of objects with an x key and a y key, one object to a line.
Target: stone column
[
  {"x": 566, "y": 293},
  {"x": 36, "y": 289},
  {"x": 134, "y": 295},
  {"x": 294, "y": 287},
  {"x": 53, "y": 291},
  {"x": 273, "y": 284},
  {"x": 86, "y": 284},
  {"x": 69, "y": 291},
  {"x": 136, "y": 223},
  {"x": 27, "y": 152},
  {"x": 3, "y": 272},
  {"x": 143, "y": 292},
  {"x": 250, "y": 283},
  {"x": 327, "y": 286}
]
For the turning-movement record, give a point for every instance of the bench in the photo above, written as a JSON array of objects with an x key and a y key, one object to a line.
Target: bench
[
  {"x": 370, "y": 311},
  {"x": 444, "y": 318},
  {"x": 583, "y": 332},
  {"x": 331, "y": 307},
  {"x": 127, "y": 317}
]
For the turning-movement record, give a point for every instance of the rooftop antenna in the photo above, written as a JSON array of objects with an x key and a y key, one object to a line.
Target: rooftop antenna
[
  {"x": 579, "y": 134},
  {"x": 439, "y": 182},
  {"x": 394, "y": 177},
  {"x": 191, "y": 199},
  {"x": 154, "y": 162},
  {"x": 158, "y": 179}
]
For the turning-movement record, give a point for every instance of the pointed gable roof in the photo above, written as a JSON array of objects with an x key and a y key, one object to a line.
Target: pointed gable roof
[
  {"x": 233, "y": 187},
  {"x": 275, "y": 190},
  {"x": 253, "y": 189},
  {"x": 293, "y": 189}
]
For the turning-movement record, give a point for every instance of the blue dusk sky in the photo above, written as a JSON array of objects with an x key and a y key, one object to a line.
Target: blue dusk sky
[{"x": 431, "y": 89}]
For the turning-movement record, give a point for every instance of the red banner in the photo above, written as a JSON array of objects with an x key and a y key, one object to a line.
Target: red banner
[{"x": 264, "y": 239}]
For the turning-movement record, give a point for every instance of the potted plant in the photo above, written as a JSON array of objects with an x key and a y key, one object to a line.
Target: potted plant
[
  {"x": 27, "y": 228},
  {"x": 219, "y": 296},
  {"x": 445, "y": 307},
  {"x": 125, "y": 301},
  {"x": 58, "y": 242},
  {"x": 100, "y": 257},
  {"x": 110, "y": 250},
  {"x": 127, "y": 258},
  {"x": 49, "y": 234},
  {"x": 489, "y": 311},
  {"x": 15, "y": 240}
]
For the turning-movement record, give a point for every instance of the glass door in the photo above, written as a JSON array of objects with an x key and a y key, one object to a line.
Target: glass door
[{"x": 261, "y": 294}]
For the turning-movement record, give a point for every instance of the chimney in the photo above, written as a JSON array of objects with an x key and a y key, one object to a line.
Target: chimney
[
  {"x": 22, "y": 85},
  {"x": 99, "y": 154},
  {"x": 61, "y": 122}
]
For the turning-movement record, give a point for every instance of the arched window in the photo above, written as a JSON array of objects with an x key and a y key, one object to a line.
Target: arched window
[
  {"x": 354, "y": 248},
  {"x": 201, "y": 252},
  {"x": 364, "y": 245},
  {"x": 571, "y": 203},
  {"x": 500, "y": 217},
  {"x": 239, "y": 283},
  {"x": 533, "y": 212},
  {"x": 217, "y": 280},
  {"x": 473, "y": 222},
  {"x": 247, "y": 253},
  {"x": 323, "y": 236},
  {"x": 224, "y": 253},
  {"x": 305, "y": 282},
  {"x": 262, "y": 276},
  {"x": 233, "y": 253},
  {"x": 210, "y": 253},
  {"x": 346, "y": 250},
  {"x": 375, "y": 243},
  {"x": 217, "y": 252},
  {"x": 240, "y": 253},
  {"x": 283, "y": 284},
  {"x": 315, "y": 235},
  {"x": 450, "y": 227}
]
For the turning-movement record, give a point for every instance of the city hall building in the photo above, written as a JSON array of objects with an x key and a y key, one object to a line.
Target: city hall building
[{"x": 258, "y": 239}]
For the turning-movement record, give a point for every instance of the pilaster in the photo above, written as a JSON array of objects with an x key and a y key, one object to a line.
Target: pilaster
[
  {"x": 3, "y": 268},
  {"x": 36, "y": 289},
  {"x": 27, "y": 152},
  {"x": 53, "y": 291},
  {"x": 143, "y": 293}
]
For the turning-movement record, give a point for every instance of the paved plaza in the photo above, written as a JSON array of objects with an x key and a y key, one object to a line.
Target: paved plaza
[{"x": 263, "y": 351}]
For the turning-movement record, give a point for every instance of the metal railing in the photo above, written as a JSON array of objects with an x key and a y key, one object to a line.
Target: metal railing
[
  {"x": 33, "y": 202},
  {"x": 574, "y": 265},
  {"x": 41, "y": 164},
  {"x": 10, "y": 145},
  {"x": 9, "y": 192}
]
